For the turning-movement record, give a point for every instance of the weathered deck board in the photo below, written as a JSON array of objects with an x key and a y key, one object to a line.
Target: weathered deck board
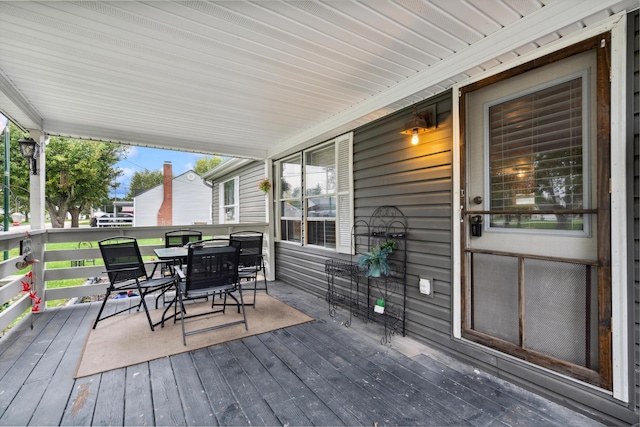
[
  {"x": 244, "y": 388},
  {"x": 324, "y": 391},
  {"x": 296, "y": 391},
  {"x": 138, "y": 411},
  {"x": 167, "y": 408},
  {"x": 447, "y": 400},
  {"x": 225, "y": 407},
  {"x": 318, "y": 373}
]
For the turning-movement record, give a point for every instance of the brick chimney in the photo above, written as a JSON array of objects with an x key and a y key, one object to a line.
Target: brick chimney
[{"x": 165, "y": 214}]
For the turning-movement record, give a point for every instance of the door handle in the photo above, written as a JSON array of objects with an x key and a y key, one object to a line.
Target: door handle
[{"x": 476, "y": 225}]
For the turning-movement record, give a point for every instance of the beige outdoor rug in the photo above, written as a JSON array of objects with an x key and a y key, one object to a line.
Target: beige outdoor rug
[{"x": 126, "y": 340}]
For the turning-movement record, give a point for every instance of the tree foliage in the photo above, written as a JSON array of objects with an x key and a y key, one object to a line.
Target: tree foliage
[
  {"x": 143, "y": 180},
  {"x": 18, "y": 174},
  {"x": 78, "y": 176},
  {"x": 205, "y": 164}
]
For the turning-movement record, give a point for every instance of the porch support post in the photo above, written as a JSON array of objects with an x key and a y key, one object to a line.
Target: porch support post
[
  {"x": 270, "y": 219},
  {"x": 37, "y": 183},
  {"x": 37, "y": 214}
]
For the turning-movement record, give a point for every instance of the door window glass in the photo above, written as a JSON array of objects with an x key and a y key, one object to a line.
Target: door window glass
[{"x": 536, "y": 158}]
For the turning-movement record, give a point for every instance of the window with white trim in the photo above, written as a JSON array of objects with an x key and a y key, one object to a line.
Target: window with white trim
[
  {"x": 315, "y": 196},
  {"x": 229, "y": 201}
]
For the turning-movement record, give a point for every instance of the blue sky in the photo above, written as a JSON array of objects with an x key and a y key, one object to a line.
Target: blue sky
[{"x": 152, "y": 159}]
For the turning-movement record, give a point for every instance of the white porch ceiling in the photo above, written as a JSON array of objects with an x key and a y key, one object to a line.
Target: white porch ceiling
[{"x": 255, "y": 79}]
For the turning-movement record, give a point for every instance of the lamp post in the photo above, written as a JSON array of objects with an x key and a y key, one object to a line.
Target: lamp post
[{"x": 4, "y": 122}]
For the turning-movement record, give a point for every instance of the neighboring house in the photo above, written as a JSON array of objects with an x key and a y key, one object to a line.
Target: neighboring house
[
  {"x": 540, "y": 157},
  {"x": 183, "y": 200},
  {"x": 236, "y": 197}
]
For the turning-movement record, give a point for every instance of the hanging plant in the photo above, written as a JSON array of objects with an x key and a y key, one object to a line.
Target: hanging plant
[{"x": 264, "y": 185}]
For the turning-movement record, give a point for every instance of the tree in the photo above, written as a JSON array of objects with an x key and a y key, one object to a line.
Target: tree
[
  {"x": 144, "y": 180},
  {"x": 78, "y": 175},
  {"x": 19, "y": 174},
  {"x": 205, "y": 164}
]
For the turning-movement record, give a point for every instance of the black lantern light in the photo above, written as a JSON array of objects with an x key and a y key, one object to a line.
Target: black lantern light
[{"x": 30, "y": 151}]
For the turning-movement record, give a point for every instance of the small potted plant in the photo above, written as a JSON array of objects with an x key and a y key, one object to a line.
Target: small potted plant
[
  {"x": 264, "y": 185},
  {"x": 375, "y": 262},
  {"x": 390, "y": 244},
  {"x": 379, "y": 307}
]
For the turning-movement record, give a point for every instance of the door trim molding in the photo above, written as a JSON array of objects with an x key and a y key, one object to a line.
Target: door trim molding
[{"x": 616, "y": 24}]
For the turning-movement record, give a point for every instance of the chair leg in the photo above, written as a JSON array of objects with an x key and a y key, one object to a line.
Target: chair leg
[
  {"x": 104, "y": 302},
  {"x": 184, "y": 335},
  {"x": 264, "y": 277},
  {"x": 146, "y": 310},
  {"x": 244, "y": 314},
  {"x": 255, "y": 289}
]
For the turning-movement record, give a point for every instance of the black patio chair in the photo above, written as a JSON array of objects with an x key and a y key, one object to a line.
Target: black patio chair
[
  {"x": 251, "y": 259},
  {"x": 172, "y": 239},
  {"x": 181, "y": 237},
  {"x": 127, "y": 272},
  {"x": 212, "y": 268}
]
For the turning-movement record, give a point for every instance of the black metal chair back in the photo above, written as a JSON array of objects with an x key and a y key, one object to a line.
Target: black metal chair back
[
  {"x": 176, "y": 238},
  {"x": 251, "y": 258},
  {"x": 127, "y": 272},
  {"x": 122, "y": 259},
  {"x": 211, "y": 268},
  {"x": 250, "y": 243}
]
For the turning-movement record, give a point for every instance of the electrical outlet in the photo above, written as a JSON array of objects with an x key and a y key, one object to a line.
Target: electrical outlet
[{"x": 426, "y": 286}]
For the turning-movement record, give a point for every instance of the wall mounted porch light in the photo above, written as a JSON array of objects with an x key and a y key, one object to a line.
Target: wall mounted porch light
[
  {"x": 30, "y": 151},
  {"x": 421, "y": 123}
]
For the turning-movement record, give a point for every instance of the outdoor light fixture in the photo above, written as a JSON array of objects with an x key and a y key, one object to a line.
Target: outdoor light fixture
[
  {"x": 421, "y": 123},
  {"x": 30, "y": 151}
]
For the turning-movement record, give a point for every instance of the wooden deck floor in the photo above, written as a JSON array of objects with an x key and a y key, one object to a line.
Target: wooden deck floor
[{"x": 318, "y": 373}]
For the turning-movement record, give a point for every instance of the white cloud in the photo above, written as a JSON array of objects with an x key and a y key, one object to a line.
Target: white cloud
[{"x": 128, "y": 173}]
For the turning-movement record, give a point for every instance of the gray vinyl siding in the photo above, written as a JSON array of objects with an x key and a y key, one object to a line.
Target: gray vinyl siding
[
  {"x": 388, "y": 170},
  {"x": 635, "y": 30},
  {"x": 252, "y": 201}
]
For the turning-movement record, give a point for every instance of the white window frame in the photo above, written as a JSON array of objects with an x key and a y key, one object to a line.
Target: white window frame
[
  {"x": 280, "y": 199},
  {"x": 236, "y": 200},
  {"x": 306, "y": 197},
  {"x": 343, "y": 194}
]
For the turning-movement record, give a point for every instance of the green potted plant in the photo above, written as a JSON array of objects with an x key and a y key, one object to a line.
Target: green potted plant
[
  {"x": 375, "y": 261},
  {"x": 390, "y": 244}
]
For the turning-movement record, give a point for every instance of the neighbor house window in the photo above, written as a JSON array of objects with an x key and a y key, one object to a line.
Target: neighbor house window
[
  {"x": 229, "y": 201},
  {"x": 316, "y": 189}
]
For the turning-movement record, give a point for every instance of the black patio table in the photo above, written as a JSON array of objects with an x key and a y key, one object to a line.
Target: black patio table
[{"x": 178, "y": 253}]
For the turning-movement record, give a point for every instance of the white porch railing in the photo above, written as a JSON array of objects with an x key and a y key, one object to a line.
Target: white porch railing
[{"x": 85, "y": 261}]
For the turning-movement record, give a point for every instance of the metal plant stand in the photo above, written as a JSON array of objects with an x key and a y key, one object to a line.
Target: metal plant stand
[{"x": 373, "y": 299}]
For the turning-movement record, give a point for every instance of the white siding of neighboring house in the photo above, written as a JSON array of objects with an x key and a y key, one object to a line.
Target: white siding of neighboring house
[
  {"x": 146, "y": 206},
  {"x": 191, "y": 202}
]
